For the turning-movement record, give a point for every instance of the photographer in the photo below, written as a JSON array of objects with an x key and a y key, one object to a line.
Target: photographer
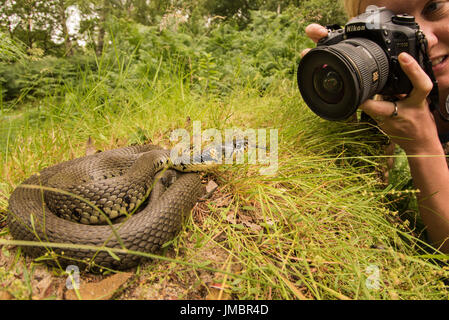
[{"x": 422, "y": 134}]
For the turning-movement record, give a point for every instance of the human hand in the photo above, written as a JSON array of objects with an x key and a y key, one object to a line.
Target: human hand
[
  {"x": 413, "y": 128},
  {"x": 315, "y": 32}
]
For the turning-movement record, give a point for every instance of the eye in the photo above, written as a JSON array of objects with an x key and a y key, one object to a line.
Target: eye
[
  {"x": 430, "y": 7},
  {"x": 435, "y": 9}
]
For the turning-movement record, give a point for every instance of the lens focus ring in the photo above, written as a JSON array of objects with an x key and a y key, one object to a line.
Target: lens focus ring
[
  {"x": 370, "y": 62},
  {"x": 379, "y": 57}
]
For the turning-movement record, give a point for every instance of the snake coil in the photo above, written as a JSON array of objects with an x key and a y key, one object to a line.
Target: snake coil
[{"x": 98, "y": 188}]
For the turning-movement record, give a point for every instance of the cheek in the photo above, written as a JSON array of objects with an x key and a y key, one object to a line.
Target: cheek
[
  {"x": 441, "y": 33},
  {"x": 444, "y": 39}
]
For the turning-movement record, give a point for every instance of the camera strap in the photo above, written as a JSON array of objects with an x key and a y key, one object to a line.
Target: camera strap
[{"x": 433, "y": 95}]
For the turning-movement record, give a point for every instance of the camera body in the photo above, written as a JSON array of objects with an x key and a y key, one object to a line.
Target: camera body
[
  {"x": 353, "y": 64},
  {"x": 393, "y": 33}
]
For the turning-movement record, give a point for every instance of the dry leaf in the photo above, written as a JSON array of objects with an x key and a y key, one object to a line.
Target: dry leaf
[
  {"x": 90, "y": 148},
  {"x": 44, "y": 287},
  {"x": 231, "y": 218},
  {"x": 211, "y": 186},
  {"x": 188, "y": 122},
  {"x": 249, "y": 222},
  {"x": 5, "y": 295},
  {"x": 254, "y": 227},
  {"x": 217, "y": 294},
  {"x": 223, "y": 201},
  {"x": 102, "y": 290}
]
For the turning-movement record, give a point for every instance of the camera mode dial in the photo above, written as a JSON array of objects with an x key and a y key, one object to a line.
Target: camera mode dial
[{"x": 403, "y": 19}]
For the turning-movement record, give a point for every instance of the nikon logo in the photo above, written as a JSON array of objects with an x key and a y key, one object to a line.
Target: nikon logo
[{"x": 353, "y": 28}]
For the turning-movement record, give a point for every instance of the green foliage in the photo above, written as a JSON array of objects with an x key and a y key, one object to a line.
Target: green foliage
[
  {"x": 333, "y": 12},
  {"x": 210, "y": 59},
  {"x": 278, "y": 5},
  {"x": 10, "y": 50},
  {"x": 45, "y": 24},
  {"x": 220, "y": 57},
  {"x": 31, "y": 79},
  {"x": 32, "y": 22},
  {"x": 239, "y": 10}
]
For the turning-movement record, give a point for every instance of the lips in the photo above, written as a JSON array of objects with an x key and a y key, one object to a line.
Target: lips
[
  {"x": 440, "y": 64},
  {"x": 438, "y": 60}
]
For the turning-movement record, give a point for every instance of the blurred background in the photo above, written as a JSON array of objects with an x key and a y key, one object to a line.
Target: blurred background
[{"x": 46, "y": 43}]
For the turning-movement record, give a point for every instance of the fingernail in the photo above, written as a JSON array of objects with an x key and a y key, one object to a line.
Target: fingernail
[{"x": 405, "y": 57}]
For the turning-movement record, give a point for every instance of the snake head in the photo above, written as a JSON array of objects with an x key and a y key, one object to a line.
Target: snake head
[
  {"x": 241, "y": 145},
  {"x": 216, "y": 153}
]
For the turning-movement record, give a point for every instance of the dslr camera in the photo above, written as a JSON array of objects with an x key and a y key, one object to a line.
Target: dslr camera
[{"x": 353, "y": 64}]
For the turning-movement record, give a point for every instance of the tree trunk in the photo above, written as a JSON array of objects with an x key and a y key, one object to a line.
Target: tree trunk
[
  {"x": 29, "y": 35},
  {"x": 102, "y": 30},
  {"x": 65, "y": 30}
]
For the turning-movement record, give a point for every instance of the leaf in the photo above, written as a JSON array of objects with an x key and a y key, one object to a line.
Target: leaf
[
  {"x": 112, "y": 254},
  {"x": 5, "y": 295},
  {"x": 211, "y": 186},
  {"x": 90, "y": 148},
  {"x": 32, "y": 222},
  {"x": 239, "y": 226},
  {"x": 218, "y": 294},
  {"x": 102, "y": 290}
]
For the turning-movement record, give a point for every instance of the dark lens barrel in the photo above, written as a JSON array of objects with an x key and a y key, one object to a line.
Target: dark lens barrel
[{"x": 334, "y": 80}]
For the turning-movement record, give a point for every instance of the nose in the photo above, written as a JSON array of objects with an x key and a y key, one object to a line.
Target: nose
[{"x": 429, "y": 30}]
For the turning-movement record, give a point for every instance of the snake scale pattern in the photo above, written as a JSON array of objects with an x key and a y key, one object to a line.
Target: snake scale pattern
[{"x": 106, "y": 189}]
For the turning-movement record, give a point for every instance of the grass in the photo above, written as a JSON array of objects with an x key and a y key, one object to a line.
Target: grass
[{"x": 323, "y": 227}]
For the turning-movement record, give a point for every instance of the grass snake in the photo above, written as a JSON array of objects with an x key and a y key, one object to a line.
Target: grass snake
[{"x": 104, "y": 200}]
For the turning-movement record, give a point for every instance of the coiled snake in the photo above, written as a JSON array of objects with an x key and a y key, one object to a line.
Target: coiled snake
[{"x": 104, "y": 188}]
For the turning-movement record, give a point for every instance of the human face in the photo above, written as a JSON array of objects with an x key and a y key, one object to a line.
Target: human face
[{"x": 433, "y": 18}]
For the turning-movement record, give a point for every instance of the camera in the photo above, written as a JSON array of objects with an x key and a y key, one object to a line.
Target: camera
[{"x": 359, "y": 61}]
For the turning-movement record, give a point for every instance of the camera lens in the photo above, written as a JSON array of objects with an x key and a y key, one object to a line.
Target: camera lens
[
  {"x": 334, "y": 80},
  {"x": 328, "y": 84}
]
